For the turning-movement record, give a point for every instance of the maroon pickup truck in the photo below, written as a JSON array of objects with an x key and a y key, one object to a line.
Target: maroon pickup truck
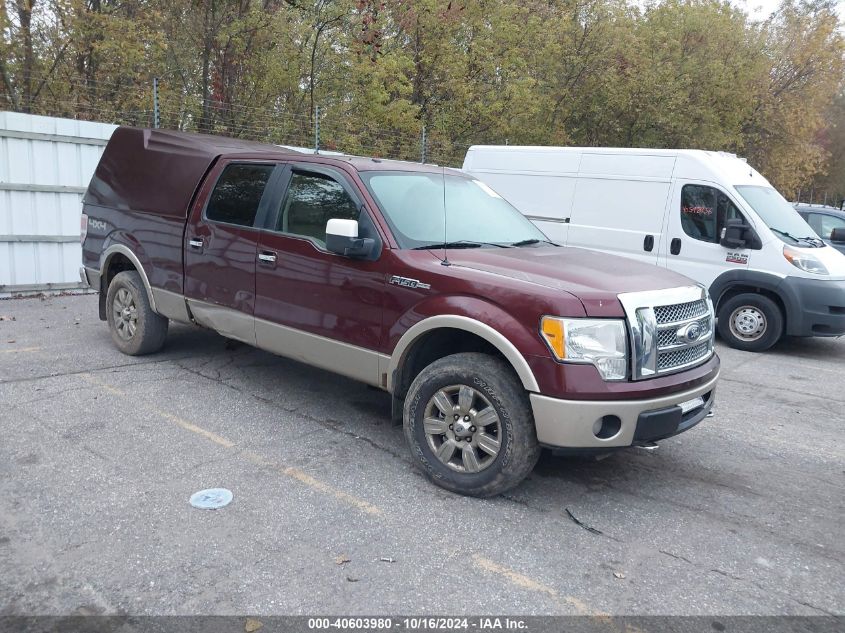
[{"x": 419, "y": 280}]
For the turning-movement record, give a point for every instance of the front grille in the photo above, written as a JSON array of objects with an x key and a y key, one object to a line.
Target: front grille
[
  {"x": 671, "y": 330},
  {"x": 680, "y": 312},
  {"x": 669, "y": 337},
  {"x": 673, "y": 351},
  {"x": 671, "y": 360}
]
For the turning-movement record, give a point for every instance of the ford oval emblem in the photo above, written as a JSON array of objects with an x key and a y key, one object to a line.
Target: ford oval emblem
[{"x": 689, "y": 333}]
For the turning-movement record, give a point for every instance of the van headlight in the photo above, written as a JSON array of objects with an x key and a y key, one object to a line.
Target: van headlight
[
  {"x": 600, "y": 342},
  {"x": 805, "y": 261}
]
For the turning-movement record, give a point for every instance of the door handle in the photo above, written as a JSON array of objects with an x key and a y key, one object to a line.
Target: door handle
[
  {"x": 267, "y": 257},
  {"x": 675, "y": 246},
  {"x": 195, "y": 242},
  {"x": 648, "y": 243}
]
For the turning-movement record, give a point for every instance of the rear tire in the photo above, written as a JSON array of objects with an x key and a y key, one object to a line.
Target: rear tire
[
  {"x": 469, "y": 425},
  {"x": 750, "y": 322},
  {"x": 135, "y": 328}
]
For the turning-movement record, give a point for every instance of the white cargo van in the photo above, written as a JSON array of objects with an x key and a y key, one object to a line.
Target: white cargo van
[{"x": 708, "y": 215}]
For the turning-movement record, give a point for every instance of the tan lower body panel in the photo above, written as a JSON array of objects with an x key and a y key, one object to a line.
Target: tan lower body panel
[
  {"x": 569, "y": 423},
  {"x": 227, "y": 321},
  {"x": 341, "y": 358},
  {"x": 171, "y": 305}
]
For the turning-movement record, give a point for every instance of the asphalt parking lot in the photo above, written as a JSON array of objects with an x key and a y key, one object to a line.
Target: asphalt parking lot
[{"x": 99, "y": 453}]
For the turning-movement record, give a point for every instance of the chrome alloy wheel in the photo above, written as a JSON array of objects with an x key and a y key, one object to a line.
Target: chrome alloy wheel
[
  {"x": 747, "y": 323},
  {"x": 125, "y": 314},
  {"x": 462, "y": 429}
]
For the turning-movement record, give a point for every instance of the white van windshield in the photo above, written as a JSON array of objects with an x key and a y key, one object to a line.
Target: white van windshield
[
  {"x": 780, "y": 216},
  {"x": 476, "y": 216}
]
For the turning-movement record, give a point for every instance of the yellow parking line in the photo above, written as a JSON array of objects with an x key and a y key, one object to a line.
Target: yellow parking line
[
  {"x": 255, "y": 458},
  {"x": 520, "y": 580},
  {"x": 107, "y": 387},
  {"x": 20, "y": 349},
  {"x": 303, "y": 477},
  {"x": 193, "y": 428},
  {"x": 526, "y": 582}
]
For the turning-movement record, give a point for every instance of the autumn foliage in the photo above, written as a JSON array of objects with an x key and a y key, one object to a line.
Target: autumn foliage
[{"x": 676, "y": 73}]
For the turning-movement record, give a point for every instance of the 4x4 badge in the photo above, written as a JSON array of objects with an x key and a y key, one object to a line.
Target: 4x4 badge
[{"x": 405, "y": 282}]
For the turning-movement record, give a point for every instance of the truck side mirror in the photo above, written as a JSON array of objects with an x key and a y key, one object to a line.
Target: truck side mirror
[
  {"x": 733, "y": 234},
  {"x": 342, "y": 238},
  {"x": 838, "y": 236}
]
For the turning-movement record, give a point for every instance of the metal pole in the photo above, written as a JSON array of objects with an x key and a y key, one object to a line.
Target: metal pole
[
  {"x": 825, "y": 198},
  {"x": 316, "y": 129},
  {"x": 424, "y": 142},
  {"x": 156, "y": 113}
]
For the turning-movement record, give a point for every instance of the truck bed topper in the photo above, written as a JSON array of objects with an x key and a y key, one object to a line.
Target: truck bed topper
[{"x": 175, "y": 161}]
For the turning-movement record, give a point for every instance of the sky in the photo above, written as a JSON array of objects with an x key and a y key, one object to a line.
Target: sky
[{"x": 761, "y": 9}]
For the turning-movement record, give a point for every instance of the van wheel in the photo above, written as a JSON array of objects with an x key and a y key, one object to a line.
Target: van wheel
[
  {"x": 135, "y": 328},
  {"x": 469, "y": 425},
  {"x": 750, "y": 322}
]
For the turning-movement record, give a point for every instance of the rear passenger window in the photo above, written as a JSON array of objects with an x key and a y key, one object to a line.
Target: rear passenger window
[
  {"x": 237, "y": 194},
  {"x": 312, "y": 200},
  {"x": 705, "y": 211}
]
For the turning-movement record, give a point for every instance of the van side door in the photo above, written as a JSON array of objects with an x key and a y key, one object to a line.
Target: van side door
[
  {"x": 221, "y": 242},
  {"x": 698, "y": 213},
  {"x": 313, "y": 305},
  {"x": 620, "y": 204}
]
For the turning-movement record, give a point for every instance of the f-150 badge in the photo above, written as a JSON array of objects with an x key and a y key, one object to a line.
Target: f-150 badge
[{"x": 405, "y": 282}]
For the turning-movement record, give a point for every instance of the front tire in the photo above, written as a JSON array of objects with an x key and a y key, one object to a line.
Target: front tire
[
  {"x": 469, "y": 425},
  {"x": 750, "y": 322},
  {"x": 135, "y": 328}
]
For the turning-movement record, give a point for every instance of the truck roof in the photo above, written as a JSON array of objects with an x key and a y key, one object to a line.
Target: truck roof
[{"x": 158, "y": 171}]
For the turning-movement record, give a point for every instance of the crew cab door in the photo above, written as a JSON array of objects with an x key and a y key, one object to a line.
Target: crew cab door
[
  {"x": 698, "y": 213},
  {"x": 221, "y": 241},
  {"x": 312, "y": 305}
]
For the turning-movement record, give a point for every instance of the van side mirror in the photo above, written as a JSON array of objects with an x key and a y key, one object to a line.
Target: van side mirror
[
  {"x": 738, "y": 234},
  {"x": 838, "y": 236},
  {"x": 733, "y": 234},
  {"x": 342, "y": 238}
]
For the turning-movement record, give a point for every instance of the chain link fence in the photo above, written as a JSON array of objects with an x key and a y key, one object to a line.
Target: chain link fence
[
  {"x": 165, "y": 104},
  {"x": 336, "y": 126}
]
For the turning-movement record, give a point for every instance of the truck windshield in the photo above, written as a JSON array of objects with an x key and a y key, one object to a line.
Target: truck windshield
[
  {"x": 780, "y": 216},
  {"x": 474, "y": 216}
]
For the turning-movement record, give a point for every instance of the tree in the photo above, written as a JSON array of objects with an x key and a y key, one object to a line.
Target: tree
[
  {"x": 670, "y": 73},
  {"x": 805, "y": 48},
  {"x": 830, "y": 186}
]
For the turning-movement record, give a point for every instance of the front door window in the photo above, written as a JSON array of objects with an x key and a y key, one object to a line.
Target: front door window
[
  {"x": 312, "y": 200},
  {"x": 705, "y": 212}
]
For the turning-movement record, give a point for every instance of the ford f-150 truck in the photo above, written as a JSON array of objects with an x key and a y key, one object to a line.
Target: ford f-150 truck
[{"x": 419, "y": 280}]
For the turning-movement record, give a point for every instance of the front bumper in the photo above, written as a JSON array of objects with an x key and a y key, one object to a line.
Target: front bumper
[
  {"x": 815, "y": 307},
  {"x": 572, "y": 423}
]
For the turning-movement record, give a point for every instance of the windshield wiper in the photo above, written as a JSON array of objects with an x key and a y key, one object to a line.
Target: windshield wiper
[
  {"x": 458, "y": 244},
  {"x": 531, "y": 241},
  {"x": 809, "y": 240}
]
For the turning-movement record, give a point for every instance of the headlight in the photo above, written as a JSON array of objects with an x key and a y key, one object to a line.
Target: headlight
[
  {"x": 805, "y": 261},
  {"x": 601, "y": 342}
]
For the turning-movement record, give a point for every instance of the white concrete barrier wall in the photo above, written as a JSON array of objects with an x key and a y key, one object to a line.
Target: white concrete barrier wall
[{"x": 45, "y": 165}]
